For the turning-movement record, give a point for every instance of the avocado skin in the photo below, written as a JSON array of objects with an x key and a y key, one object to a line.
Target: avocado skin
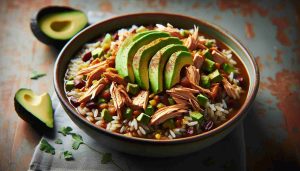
[
  {"x": 30, "y": 118},
  {"x": 39, "y": 34}
]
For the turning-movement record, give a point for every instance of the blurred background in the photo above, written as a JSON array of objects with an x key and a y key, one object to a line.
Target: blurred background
[{"x": 270, "y": 29}]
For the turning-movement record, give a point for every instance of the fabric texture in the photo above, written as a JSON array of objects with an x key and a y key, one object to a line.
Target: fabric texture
[{"x": 227, "y": 154}]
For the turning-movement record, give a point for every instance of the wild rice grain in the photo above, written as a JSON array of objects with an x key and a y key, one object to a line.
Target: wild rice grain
[
  {"x": 172, "y": 134},
  {"x": 123, "y": 128},
  {"x": 96, "y": 112},
  {"x": 90, "y": 119},
  {"x": 142, "y": 130},
  {"x": 135, "y": 124},
  {"x": 139, "y": 132}
]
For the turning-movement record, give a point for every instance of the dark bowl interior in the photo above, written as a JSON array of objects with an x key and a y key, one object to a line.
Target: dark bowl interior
[{"x": 154, "y": 147}]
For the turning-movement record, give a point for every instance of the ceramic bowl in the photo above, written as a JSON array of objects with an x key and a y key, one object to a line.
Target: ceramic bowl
[{"x": 151, "y": 147}]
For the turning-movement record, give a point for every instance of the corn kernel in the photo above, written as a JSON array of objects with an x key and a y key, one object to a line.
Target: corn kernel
[
  {"x": 153, "y": 102},
  {"x": 157, "y": 136}
]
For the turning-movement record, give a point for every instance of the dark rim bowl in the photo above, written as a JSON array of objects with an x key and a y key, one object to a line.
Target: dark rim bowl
[{"x": 180, "y": 21}]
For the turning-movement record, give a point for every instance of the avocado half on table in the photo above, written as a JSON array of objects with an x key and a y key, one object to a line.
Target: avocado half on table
[
  {"x": 55, "y": 25},
  {"x": 35, "y": 109}
]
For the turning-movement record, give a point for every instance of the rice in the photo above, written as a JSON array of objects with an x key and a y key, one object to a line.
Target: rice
[
  {"x": 142, "y": 130},
  {"x": 172, "y": 134},
  {"x": 192, "y": 123}
]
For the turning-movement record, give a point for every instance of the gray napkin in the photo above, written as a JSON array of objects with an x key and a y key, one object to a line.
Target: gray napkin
[{"x": 227, "y": 154}]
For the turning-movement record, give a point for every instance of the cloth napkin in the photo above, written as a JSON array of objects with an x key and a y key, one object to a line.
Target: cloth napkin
[{"x": 227, "y": 154}]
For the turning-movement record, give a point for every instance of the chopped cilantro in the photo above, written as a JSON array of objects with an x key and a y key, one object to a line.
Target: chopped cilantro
[
  {"x": 46, "y": 147},
  {"x": 77, "y": 140},
  {"x": 65, "y": 130},
  {"x": 58, "y": 141},
  {"x": 36, "y": 75},
  {"x": 68, "y": 155}
]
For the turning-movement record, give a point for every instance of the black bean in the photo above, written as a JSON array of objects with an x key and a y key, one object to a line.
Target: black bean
[
  {"x": 74, "y": 102},
  {"x": 190, "y": 131},
  {"x": 208, "y": 125},
  {"x": 91, "y": 105},
  {"x": 87, "y": 56},
  {"x": 79, "y": 83}
]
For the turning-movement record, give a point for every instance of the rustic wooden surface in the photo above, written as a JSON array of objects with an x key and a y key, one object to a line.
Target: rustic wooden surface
[{"x": 269, "y": 30}]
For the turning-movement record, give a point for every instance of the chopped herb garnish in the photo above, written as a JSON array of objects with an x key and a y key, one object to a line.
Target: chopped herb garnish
[
  {"x": 58, "y": 141},
  {"x": 68, "y": 155},
  {"x": 36, "y": 75},
  {"x": 46, "y": 147},
  {"x": 65, "y": 130},
  {"x": 106, "y": 158},
  {"x": 77, "y": 140}
]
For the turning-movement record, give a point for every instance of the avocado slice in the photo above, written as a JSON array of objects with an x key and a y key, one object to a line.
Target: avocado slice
[
  {"x": 157, "y": 64},
  {"x": 130, "y": 47},
  {"x": 63, "y": 25},
  {"x": 141, "y": 59},
  {"x": 174, "y": 65},
  {"x": 35, "y": 109}
]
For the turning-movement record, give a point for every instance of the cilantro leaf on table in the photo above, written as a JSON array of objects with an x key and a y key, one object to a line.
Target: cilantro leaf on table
[
  {"x": 36, "y": 75},
  {"x": 46, "y": 147},
  {"x": 68, "y": 155},
  {"x": 77, "y": 140},
  {"x": 65, "y": 130},
  {"x": 106, "y": 158},
  {"x": 58, "y": 141}
]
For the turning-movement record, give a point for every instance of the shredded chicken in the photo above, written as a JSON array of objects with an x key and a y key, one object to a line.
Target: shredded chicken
[
  {"x": 141, "y": 100},
  {"x": 108, "y": 62},
  {"x": 192, "y": 74},
  {"x": 170, "y": 29},
  {"x": 94, "y": 90},
  {"x": 183, "y": 95},
  {"x": 198, "y": 61},
  {"x": 192, "y": 41},
  {"x": 115, "y": 77},
  {"x": 91, "y": 68},
  {"x": 119, "y": 97},
  {"x": 214, "y": 90},
  {"x": 218, "y": 57},
  {"x": 95, "y": 74},
  {"x": 168, "y": 112},
  {"x": 231, "y": 90}
]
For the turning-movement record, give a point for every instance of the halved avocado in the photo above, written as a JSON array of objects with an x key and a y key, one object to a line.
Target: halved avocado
[
  {"x": 35, "y": 109},
  {"x": 141, "y": 59},
  {"x": 63, "y": 25},
  {"x": 124, "y": 63},
  {"x": 157, "y": 64},
  {"x": 174, "y": 65}
]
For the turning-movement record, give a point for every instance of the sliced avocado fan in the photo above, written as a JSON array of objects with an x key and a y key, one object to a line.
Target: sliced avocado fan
[
  {"x": 144, "y": 54},
  {"x": 35, "y": 109},
  {"x": 157, "y": 64},
  {"x": 127, "y": 51}
]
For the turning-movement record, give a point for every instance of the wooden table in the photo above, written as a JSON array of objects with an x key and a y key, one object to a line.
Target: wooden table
[{"x": 270, "y": 31}]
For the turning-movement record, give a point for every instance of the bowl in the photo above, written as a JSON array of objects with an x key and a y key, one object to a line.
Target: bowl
[{"x": 151, "y": 147}]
